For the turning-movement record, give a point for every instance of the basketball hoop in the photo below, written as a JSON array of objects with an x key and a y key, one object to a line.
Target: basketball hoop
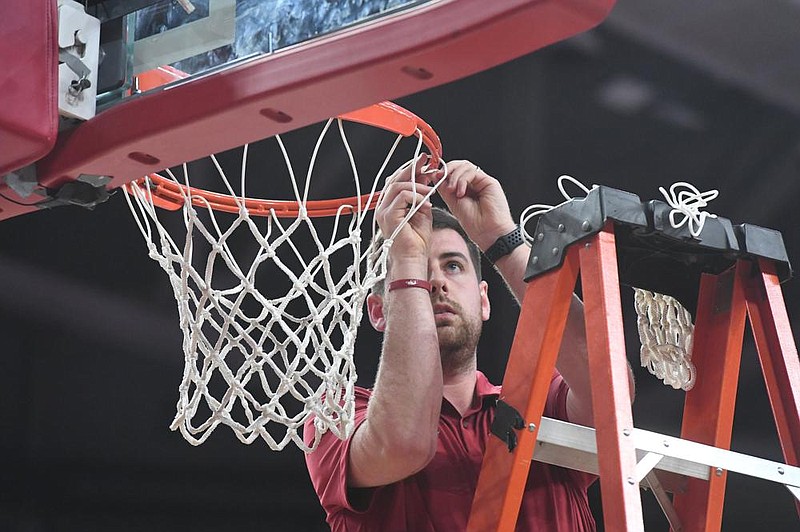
[{"x": 259, "y": 362}]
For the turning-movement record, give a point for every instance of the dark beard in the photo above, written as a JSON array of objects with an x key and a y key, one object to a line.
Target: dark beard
[{"x": 458, "y": 341}]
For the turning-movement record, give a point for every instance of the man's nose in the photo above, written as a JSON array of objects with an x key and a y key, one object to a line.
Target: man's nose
[{"x": 438, "y": 281}]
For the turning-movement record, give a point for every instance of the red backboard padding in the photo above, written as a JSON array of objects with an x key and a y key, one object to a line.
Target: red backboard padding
[
  {"x": 391, "y": 57},
  {"x": 28, "y": 82}
]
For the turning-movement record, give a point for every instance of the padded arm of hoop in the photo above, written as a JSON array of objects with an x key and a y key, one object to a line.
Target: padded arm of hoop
[
  {"x": 29, "y": 59},
  {"x": 385, "y": 115}
]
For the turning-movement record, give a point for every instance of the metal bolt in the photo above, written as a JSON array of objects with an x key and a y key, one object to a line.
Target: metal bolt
[
  {"x": 531, "y": 427},
  {"x": 534, "y": 260},
  {"x": 718, "y": 471},
  {"x": 554, "y": 251},
  {"x": 561, "y": 228},
  {"x": 77, "y": 86},
  {"x": 666, "y": 443},
  {"x": 586, "y": 226},
  {"x": 626, "y": 432},
  {"x": 587, "y": 245},
  {"x": 781, "y": 471},
  {"x": 540, "y": 237},
  {"x": 631, "y": 481}
]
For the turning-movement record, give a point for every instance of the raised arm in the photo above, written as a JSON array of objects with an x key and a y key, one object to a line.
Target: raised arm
[
  {"x": 399, "y": 435},
  {"x": 479, "y": 202}
]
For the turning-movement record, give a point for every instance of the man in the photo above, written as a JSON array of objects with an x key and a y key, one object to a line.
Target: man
[{"x": 413, "y": 460}]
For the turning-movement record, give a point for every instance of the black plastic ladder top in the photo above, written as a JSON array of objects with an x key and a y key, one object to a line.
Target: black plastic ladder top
[{"x": 651, "y": 253}]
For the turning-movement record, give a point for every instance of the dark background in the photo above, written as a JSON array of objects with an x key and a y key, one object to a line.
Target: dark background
[{"x": 662, "y": 92}]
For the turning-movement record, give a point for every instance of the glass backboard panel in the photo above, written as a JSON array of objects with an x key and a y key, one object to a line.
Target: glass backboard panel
[{"x": 219, "y": 34}]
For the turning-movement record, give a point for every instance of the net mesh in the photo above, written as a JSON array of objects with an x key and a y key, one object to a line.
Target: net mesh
[
  {"x": 259, "y": 362},
  {"x": 665, "y": 332}
]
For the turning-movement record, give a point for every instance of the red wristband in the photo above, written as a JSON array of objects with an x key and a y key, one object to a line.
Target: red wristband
[{"x": 410, "y": 283}]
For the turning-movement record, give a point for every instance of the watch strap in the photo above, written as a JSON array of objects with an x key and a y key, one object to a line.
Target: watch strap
[{"x": 504, "y": 245}]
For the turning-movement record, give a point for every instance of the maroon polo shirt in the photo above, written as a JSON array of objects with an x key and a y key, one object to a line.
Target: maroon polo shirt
[{"x": 439, "y": 497}]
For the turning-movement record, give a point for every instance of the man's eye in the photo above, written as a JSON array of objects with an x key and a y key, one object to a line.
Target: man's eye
[{"x": 454, "y": 266}]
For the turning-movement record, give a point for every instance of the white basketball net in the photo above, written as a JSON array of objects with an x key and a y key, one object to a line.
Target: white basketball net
[
  {"x": 666, "y": 332},
  {"x": 259, "y": 362}
]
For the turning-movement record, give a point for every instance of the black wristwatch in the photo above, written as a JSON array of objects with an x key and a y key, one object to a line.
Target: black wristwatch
[{"x": 504, "y": 245}]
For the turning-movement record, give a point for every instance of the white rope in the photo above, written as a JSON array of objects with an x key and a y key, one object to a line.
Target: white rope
[
  {"x": 536, "y": 209},
  {"x": 688, "y": 202},
  {"x": 258, "y": 362}
]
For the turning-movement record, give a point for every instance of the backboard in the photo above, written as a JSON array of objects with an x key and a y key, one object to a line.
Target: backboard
[{"x": 255, "y": 69}]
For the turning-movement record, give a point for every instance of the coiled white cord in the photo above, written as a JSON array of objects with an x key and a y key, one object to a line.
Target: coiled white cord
[
  {"x": 689, "y": 203},
  {"x": 539, "y": 208}
]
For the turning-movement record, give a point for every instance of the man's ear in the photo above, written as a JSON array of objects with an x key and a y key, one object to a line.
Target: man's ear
[
  {"x": 375, "y": 311},
  {"x": 486, "y": 308}
]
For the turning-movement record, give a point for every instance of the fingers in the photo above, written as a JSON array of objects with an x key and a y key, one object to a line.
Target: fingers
[
  {"x": 398, "y": 198},
  {"x": 402, "y": 196},
  {"x": 465, "y": 178},
  {"x": 404, "y": 189},
  {"x": 410, "y": 240},
  {"x": 477, "y": 200},
  {"x": 419, "y": 171}
]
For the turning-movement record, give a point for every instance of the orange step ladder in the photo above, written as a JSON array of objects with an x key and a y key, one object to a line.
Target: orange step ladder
[{"x": 739, "y": 270}]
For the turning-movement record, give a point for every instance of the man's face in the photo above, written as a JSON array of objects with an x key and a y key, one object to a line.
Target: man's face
[{"x": 459, "y": 299}]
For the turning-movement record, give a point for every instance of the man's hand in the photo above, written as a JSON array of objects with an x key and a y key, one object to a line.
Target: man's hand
[
  {"x": 399, "y": 195},
  {"x": 478, "y": 201}
]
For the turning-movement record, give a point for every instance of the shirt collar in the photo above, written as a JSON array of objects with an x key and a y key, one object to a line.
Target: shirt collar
[{"x": 484, "y": 388}]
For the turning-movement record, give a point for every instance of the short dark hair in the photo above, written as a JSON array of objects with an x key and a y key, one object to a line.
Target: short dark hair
[{"x": 442, "y": 219}]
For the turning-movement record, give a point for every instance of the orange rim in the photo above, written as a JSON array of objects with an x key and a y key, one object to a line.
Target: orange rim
[{"x": 170, "y": 195}]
